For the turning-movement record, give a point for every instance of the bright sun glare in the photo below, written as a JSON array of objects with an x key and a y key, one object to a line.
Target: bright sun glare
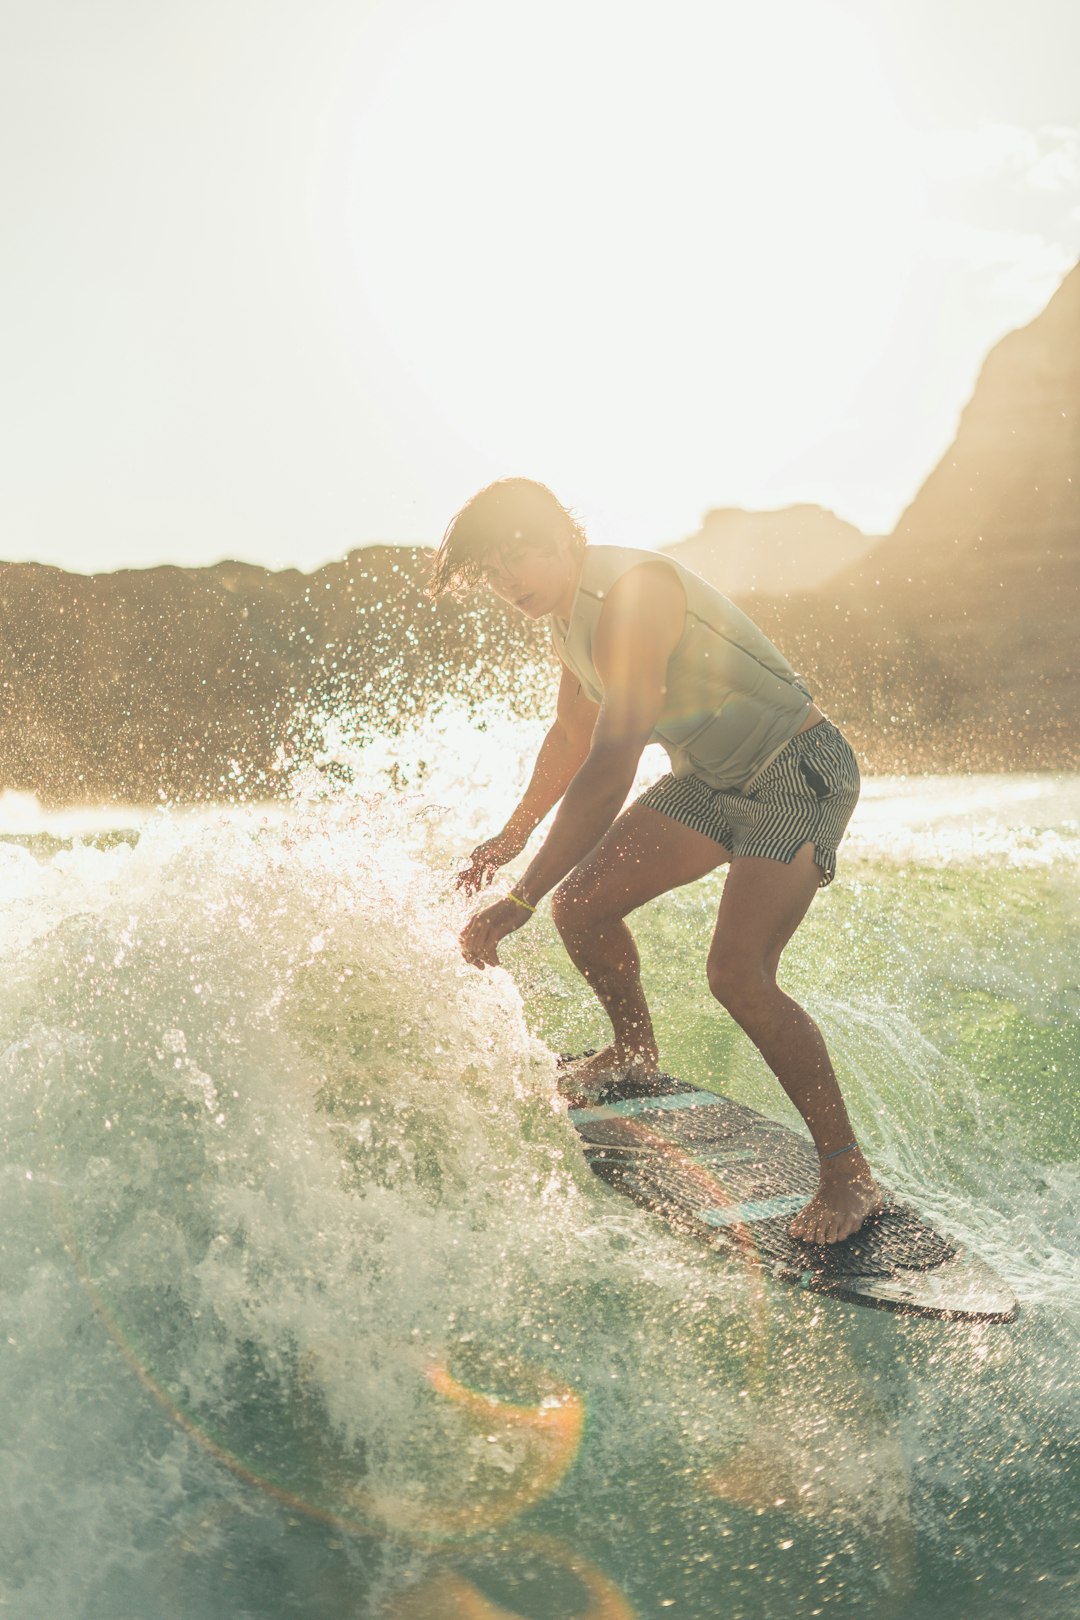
[{"x": 692, "y": 209}]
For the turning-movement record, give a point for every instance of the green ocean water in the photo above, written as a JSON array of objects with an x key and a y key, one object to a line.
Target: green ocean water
[{"x": 311, "y": 1306}]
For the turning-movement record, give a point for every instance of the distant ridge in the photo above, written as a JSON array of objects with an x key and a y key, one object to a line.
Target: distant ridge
[{"x": 797, "y": 548}]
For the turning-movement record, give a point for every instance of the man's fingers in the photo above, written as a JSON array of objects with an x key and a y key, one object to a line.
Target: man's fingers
[{"x": 475, "y": 876}]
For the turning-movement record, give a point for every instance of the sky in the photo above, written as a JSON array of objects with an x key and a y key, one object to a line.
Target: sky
[{"x": 286, "y": 277}]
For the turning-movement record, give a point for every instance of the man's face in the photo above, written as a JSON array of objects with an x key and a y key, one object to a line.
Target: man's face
[{"x": 532, "y": 579}]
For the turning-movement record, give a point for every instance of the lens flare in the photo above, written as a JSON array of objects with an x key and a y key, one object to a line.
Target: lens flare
[
  {"x": 549, "y": 1436},
  {"x": 449, "y": 1595}
]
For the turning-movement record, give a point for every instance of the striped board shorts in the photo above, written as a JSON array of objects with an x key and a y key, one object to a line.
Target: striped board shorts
[{"x": 805, "y": 795}]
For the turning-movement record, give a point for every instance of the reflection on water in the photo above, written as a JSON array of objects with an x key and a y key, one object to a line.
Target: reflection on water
[{"x": 312, "y": 1306}]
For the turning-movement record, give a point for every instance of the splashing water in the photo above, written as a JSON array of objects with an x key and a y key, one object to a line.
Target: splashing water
[{"x": 311, "y": 1306}]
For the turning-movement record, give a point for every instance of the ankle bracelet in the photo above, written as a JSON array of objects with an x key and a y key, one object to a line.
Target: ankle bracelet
[{"x": 836, "y": 1152}]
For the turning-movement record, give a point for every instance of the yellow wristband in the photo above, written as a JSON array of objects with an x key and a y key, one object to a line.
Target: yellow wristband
[{"x": 518, "y": 901}]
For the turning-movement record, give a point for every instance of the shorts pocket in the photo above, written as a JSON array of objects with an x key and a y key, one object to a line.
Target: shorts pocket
[{"x": 814, "y": 780}]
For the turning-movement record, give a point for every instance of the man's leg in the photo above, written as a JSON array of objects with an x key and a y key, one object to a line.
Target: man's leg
[
  {"x": 643, "y": 855},
  {"x": 764, "y": 902}
]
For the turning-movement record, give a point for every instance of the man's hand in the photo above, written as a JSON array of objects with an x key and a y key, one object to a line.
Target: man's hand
[
  {"x": 485, "y": 861},
  {"x": 482, "y": 932}
]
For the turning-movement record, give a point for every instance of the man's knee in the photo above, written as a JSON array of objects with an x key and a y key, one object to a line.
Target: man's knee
[
  {"x": 575, "y": 905},
  {"x": 567, "y": 906},
  {"x": 738, "y": 983}
]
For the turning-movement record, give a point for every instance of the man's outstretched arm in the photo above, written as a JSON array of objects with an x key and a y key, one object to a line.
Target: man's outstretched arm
[{"x": 561, "y": 755}]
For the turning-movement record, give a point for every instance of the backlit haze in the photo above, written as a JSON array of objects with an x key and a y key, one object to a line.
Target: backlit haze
[{"x": 284, "y": 279}]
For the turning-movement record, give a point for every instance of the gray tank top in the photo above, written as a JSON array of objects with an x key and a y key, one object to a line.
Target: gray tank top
[{"x": 733, "y": 700}]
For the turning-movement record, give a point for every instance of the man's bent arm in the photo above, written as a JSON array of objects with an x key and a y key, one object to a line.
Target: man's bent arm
[
  {"x": 590, "y": 805},
  {"x": 639, "y": 628}
]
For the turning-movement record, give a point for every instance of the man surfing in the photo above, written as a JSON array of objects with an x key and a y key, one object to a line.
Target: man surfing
[{"x": 761, "y": 781}]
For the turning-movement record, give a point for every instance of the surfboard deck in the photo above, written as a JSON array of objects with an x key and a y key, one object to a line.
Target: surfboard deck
[{"x": 714, "y": 1168}]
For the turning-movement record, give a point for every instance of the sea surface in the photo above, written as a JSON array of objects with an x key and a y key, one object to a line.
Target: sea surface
[{"x": 311, "y": 1306}]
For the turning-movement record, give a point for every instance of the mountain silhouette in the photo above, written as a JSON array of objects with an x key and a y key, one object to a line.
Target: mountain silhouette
[{"x": 973, "y": 602}]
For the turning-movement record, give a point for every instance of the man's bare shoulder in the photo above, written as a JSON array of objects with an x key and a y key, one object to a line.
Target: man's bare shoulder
[{"x": 648, "y": 599}]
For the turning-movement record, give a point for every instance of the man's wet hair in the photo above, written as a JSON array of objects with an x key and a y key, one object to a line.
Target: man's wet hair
[{"x": 507, "y": 511}]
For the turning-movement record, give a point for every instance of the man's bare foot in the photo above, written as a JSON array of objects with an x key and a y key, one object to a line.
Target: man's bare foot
[
  {"x": 583, "y": 1074},
  {"x": 847, "y": 1194}
]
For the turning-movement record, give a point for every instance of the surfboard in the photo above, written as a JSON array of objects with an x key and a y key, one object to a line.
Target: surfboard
[{"x": 714, "y": 1168}]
